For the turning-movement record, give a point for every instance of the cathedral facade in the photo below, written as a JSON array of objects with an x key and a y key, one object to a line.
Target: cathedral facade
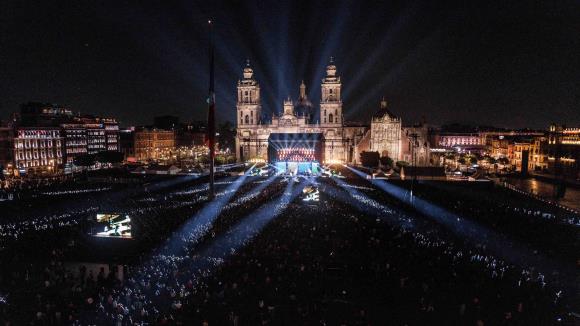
[
  {"x": 389, "y": 137},
  {"x": 385, "y": 137},
  {"x": 298, "y": 117}
]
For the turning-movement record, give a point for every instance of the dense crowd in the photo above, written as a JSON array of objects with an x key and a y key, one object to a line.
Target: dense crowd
[
  {"x": 259, "y": 255},
  {"x": 545, "y": 226}
]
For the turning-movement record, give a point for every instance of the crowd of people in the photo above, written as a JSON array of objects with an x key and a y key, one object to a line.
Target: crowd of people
[
  {"x": 545, "y": 226},
  {"x": 259, "y": 255}
]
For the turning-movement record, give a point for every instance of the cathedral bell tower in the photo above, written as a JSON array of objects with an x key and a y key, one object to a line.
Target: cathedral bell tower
[
  {"x": 331, "y": 103},
  {"x": 249, "y": 109}
]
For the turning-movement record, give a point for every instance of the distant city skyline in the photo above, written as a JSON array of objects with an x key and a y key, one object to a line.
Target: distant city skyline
[{"x": 508, "y": 64}]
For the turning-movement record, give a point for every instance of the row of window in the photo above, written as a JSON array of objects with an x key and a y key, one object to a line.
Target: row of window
[
  {"x": 38, "y": 163},
  {"x": 28, "y": 155},
  {"x": 459, "y": 141},
  {"x": 76, "y": 150},
  {"x": 35, "y": 143},
  {"x": 38, "y": 134}
]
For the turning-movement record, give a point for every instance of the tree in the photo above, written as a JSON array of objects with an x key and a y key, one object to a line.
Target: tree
[
  {"x": 220, "y": 159},
  {"x": 369, "y": 159},
  {"x": 204, "y": 159},
  {"x": 386, "y": 161}
]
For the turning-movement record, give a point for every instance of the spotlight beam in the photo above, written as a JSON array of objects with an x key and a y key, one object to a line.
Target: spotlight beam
[
  {"x": 499, "y": 244},
  {"x": 200, "y": 223},
  {"x": 239, "y": 235}
]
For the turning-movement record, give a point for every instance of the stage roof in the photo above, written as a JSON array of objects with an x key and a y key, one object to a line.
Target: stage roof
[{"x": 296, "y": 137}]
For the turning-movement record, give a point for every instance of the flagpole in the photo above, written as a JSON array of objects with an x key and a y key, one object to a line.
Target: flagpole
[{"x": 211, "y": 115}]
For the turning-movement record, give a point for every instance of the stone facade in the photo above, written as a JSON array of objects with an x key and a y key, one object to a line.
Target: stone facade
[
  {"x": 385, "y": 137},
  {"x": 297, "y": 117}
]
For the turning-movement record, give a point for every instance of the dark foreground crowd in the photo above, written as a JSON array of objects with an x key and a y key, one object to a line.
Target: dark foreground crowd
[
  {"x": 550, "y": 228},
  {"x": 357, "y": 257}
]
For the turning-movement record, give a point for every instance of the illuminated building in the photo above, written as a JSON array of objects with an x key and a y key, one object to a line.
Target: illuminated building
[
  {"x": 96, "y": 138},
  {"x": 38, "y": 150},
  {"x": 563, "y": 151},
  {"x": 385, "y": 134},
  {"x": 89, "y": 135},
  {"x": 525, "y": 151},
  {"x": 153, "y": 144},
  {"x": 75, "y": 141},
  {"x": 48, "y": 153},
  {"x": 296, "y": 118},
  {"x": 571, "y": 136},
  {"x": 357, "y": 139},
  {"x": 519, "y": 150},
  {"x": 464, "y": 141},
  {"x": 127, "y": 143},
  {"x": 499, "y": 147},
  {"x": 111, "y": 134},
  {"x": 391, "y": 139},
  {"x": 102, "y": 133}
]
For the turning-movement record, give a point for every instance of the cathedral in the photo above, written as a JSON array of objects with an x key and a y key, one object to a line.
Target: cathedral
[
  {"x": 256, "y": 138},
  {"x": 300, "y": 134}
]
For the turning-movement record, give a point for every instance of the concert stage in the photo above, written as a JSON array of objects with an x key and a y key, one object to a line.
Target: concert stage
[
  {"x": 296, "y": 153},
  {"x": 292, "y": 167}
]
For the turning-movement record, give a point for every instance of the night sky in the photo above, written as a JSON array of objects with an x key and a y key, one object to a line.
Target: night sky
[{"x": 508, "y": 64}]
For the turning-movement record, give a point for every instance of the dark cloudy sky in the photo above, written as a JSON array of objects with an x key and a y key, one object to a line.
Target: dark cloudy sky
[{"x": 503, "y": 63}]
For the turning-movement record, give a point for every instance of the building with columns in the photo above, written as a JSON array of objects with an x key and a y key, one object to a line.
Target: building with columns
[{"x": 253, "y": 132}]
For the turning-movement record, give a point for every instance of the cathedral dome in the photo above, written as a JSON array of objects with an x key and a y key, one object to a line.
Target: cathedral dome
[{"x": 303, "y": 106}]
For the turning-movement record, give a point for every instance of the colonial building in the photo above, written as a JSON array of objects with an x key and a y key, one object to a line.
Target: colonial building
[
  {"x": 75, "y": 141},
  {"x": 253, "y": 132},
  {"x": 102, "y": 133},
  {"x": 385, "y": 136},
  {"x": 563, "y": 151},
  {"x": 38, "y": 150},
  {"x": 391, "y": 139},
  {"x": 153, "y": 144},
  {"x": 111, "y": 134},
  {"x": 465, "y": 141}
]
